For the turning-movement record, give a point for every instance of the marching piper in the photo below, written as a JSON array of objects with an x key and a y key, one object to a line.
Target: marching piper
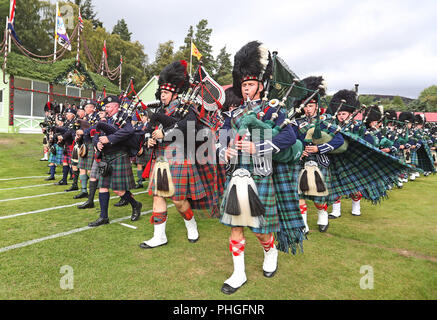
[{"x": 116, "y": 170}]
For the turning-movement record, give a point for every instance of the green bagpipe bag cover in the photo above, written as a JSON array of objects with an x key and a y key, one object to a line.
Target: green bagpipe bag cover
[{"x": 289, "y": 155}]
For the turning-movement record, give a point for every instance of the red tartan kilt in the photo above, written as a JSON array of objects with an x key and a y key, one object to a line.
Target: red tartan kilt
[
  {"x": 186, "y": 179},
  {"x": 67, "y": 157}
]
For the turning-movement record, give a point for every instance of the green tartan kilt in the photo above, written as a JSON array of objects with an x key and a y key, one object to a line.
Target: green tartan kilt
[
  {"x": 414, "y": 157},
  {"x": 56, "y": 158},
  {"x": 327, "y": 177},
  {"x": 121, "y": 177},
  {"x": 87, "y": 162},
  {"x": 142, "y": 159},
  {"x": 94, "y": 171},
  {"x": 266, "y": 193},
  {"x": 290, "y": 236}
]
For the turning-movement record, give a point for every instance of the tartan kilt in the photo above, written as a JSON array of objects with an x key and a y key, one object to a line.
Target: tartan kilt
[
  {"x": 66, "y": 156},
  {"x": 327, "y": 177},
  {"x": 414, "y": 157},
  {"x": 87, "y": 162},
  {"x": 56, "y": 158},
  {"x": 290, "y": 236},
  {"x": 142, "y": 159},
  {"x": 121, "y": 177},
  {"x": 266, "y": 193},
  {"x": 213, "y": 177},
  {"x": 186, "y": 179},
  {"x": 94, "y": 173}
]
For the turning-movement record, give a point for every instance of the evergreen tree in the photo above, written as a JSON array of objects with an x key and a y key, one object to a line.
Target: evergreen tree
[
  {"x": 201, "y": 40},
  {"x": 122, "y": 30},
  {"x": 87, "y": 12},
  {"x": 164, "y": 56},
  {"x": 223, "y": 74}
]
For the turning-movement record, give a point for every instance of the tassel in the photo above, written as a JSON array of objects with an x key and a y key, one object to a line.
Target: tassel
[
  {"x": 303, "y": 183},
  {"x": 232, "y": 206},
  {"x": 256, "y": 207},
  {"x": 165, "y": 181},
  {"x": 146, "y": 172},
  {"x": 408, "y": 156},
  {"x": 159, "y": 180},
  {"x": 319, "y": 182}
]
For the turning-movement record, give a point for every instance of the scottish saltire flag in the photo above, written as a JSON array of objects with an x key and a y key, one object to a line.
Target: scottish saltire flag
[{"x": 61, "y": 33}]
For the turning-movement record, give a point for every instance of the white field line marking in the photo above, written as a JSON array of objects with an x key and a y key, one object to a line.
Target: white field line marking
[
  {"x": 26, "y": 187},
  {"x": 37, "y": 196},
  {"x": 63, "y": 234},
  {"x": 129, "y": 226},
  {"x": 58, "y": 207},
  {"x": 33, "y": 177}
]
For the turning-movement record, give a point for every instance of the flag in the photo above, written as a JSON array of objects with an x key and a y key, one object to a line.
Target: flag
[
  {"x": 195, "y": 52},
  {"x": 104, "y": 49},
  {"x": 11, "y": 21},
  {"x": 80, "y": 22},
  {"x": 12, "y": 13},
  {"x": 61, "y": 33}
]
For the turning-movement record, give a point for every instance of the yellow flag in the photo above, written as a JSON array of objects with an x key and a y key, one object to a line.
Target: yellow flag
[{"x": 195, "y": 52}]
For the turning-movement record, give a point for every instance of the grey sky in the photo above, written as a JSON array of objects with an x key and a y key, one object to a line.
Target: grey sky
[{"x": 387, "y": 46}]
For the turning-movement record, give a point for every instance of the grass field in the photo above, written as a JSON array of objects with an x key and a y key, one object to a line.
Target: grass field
[{"x": 396, "y": 240}]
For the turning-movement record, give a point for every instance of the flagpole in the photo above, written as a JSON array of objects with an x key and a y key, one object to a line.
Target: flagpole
[
  {"x": 191, "y": 55},
  {"x": 56, "y": 30},
  {"x": 78, "y": 42}
]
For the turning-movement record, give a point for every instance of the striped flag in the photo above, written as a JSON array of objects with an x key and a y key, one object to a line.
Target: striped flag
[
  {"x": 12, "y": 12},
  {"x": 80, "y": 21}
]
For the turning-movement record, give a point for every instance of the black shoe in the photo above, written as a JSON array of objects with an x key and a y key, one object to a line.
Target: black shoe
[
  {"x": 145, "y": 246},
  {"x": 100, "y": 221},
  {"x": 86, "y": 205},
  {"x": 81, "y": 195},
  {"x": 270, "y": 274},
  {"x": 323, "y": 228},
  {"x": 49, "y": 178},
  {"x": 136, "y": 211},
  {"x": 227, "y": 289},
  {"x": 61, "y": 183},
  {"x": 139, "y": 186},
  {"x": 121, "y": 203},
  {"x": 72, "y": 188},
  {"x": 330, "y": 216}
]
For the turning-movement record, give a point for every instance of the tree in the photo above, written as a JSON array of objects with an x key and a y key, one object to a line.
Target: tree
[
  {"x": 417, "y": 106},
  {"x": 397, "y": 101},
  {"x": 201, "y": 40},
  {"x": 122, "y": 30},
  {"x": 87, "y": 12},
  {"x": 164, "y": 56},
  {"x": 366, "y": 100},
  {"x": 223, "y": 74},
  {"x": 429, "y": 97}
]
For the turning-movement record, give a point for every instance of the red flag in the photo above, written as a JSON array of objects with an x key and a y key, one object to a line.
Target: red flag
[{"x": 104, "y": 49}]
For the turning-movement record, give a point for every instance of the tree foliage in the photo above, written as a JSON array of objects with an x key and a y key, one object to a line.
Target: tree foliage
[{"x": 122, "y": 30}]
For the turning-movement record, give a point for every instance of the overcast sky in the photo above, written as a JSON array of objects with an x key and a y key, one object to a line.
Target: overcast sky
[{"x": 387, "y": 46}]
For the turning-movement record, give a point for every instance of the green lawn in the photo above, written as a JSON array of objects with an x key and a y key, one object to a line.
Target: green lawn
[{"x": 397, "y": 239}]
